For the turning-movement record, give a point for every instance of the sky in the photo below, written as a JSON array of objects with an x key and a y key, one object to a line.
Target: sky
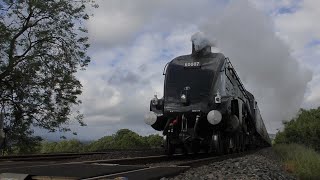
[{"x": 274, "y": 46}]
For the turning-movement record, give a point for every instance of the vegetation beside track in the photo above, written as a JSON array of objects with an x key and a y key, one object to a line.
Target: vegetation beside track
[
  {"x": 299, "y": 144},
  {"x": 122, "y": 139},
  {"x": 304, "y": 129},
  {"x": 299, "y": 160}
]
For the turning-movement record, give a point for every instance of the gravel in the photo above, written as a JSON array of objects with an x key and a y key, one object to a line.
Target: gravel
[{"x": 263, "y": 164}]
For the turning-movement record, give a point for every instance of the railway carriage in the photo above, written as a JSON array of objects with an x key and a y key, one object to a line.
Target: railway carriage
[{"x": 206, "y": 107}]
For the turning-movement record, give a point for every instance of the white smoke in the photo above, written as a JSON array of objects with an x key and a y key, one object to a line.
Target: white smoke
[
  {"x": 200, "y": 41},
  {"x": 262, "y": 60}
]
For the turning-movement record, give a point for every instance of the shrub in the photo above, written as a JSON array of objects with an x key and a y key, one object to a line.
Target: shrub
[
  {"x": 305, "y": 129},
  {"x": 302, "y": 161}
]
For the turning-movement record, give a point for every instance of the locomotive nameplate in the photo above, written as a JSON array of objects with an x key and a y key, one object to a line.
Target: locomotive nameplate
[{"x": 192, "y": 64}]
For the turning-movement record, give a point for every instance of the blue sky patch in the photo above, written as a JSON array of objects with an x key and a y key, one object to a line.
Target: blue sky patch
[
  {"x": 286, "y": 10},
  {"x": 312, "y": 43},
  {"x": 294, "y": 7}
]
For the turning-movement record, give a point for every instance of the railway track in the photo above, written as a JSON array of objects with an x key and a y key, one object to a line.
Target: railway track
[
  {"x": 156, "y": 168},
  {"x": 46, "y": 156},
  {"x": 65, "y": 156},
  {"x": 150, "y": 167}
]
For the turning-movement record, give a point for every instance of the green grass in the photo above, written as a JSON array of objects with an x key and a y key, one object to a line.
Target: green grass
[{"x": 299, "y": 160}]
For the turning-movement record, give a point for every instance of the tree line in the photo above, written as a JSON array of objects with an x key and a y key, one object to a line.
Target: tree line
[{"x": 122, "y": 139}]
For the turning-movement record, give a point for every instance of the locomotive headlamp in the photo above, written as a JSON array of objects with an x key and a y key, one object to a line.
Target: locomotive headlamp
[
  {"x": 150, "y": 118},
  {"x": 183, "y": 98},
  {"x": 217, "y": 99},
  {"x": 214, "y": 117}
]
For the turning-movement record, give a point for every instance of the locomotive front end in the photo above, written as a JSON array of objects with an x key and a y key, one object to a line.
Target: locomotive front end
[
  {"x": 205, "y": 105},
  {"x": 191, "y": 106}
]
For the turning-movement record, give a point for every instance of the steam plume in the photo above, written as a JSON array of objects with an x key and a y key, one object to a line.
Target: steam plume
[
  {"x": 262, "y": 60},
  {"x": 200, "y": 41}
]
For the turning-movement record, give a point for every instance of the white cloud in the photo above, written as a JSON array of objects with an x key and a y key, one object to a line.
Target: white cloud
[
  {"x": 118, "y": 95},
  {"x": 112, "y": 28},
  {"x": 118, "y": 23},
  {"x": 299, "y": 29},
  {"x": 312, "y": 99},
  {"x": 274, "y": 7},
  {"x": 133, "y": 40}
]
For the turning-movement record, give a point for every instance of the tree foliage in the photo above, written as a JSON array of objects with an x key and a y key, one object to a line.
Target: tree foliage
[
  {"x": 305, "y": 129},
  {"x": 154, "y": 140},
  {"x": 42, "y": 45},
  {"x": 123, "y": 139}
]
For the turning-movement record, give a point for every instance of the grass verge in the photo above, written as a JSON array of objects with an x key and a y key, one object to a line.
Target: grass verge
[{"x": 299, "y": 160}]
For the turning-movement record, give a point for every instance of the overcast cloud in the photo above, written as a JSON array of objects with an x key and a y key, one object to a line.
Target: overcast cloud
[
  {"x": 262, "y": 59},
  {"x": 272, "y": 44}
]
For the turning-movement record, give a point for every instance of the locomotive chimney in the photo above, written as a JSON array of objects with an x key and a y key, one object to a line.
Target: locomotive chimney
[
  {"x": 200, "y": 52},
  {"x": 193, "y": 48}
]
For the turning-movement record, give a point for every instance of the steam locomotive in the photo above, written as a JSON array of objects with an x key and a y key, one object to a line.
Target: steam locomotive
[{"x": 206, "y": 107}]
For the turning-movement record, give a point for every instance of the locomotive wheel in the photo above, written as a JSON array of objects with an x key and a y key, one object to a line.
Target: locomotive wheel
[
  {"x": 222, "y": 145},
  {"x": 170, "y": 148},
  {"x": 195, "y": 147},
  {"x": 184, "y": 150},
  {"x": 237, "y": 142},
  {"x": 216, "y": 146},
  {"x": 243, "y": 142},
  {"x": 234, "y": 143},
  {"x": 240, "y": 142},
  {"x": 226, "y": 145},
  {"x": 233, "y": 147}
]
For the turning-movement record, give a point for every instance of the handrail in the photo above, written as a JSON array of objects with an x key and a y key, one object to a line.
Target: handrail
[
  {"x": 241, "y": 87},
  {"x": 165, "y": 69}
]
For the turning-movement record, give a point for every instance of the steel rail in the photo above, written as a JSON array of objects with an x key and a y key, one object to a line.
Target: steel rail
[{"x": 58, "y": 156}]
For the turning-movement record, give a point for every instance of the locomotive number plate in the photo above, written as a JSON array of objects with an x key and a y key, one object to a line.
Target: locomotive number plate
[{"x": 192, "y": 64}]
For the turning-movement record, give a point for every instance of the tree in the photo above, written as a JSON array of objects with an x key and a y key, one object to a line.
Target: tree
[
  {"x": 106, "y": 142},
  {"x": 154, "y": 140},
  {"x": 72, "y": 145},
  {"x": 304, "y": 129},
  {"x": 48, "y": 147},
  {"x": 127, "y": 139},
  {"x": 42, "y": 45}
]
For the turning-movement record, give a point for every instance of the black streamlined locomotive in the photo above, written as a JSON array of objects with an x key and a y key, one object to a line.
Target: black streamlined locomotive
[{"x": 206, "y": 107}]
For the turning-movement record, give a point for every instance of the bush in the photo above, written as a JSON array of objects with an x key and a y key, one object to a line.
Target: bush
[
  {"x": 303, "y": 162},
  {"x": 305, "y": 129}
]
